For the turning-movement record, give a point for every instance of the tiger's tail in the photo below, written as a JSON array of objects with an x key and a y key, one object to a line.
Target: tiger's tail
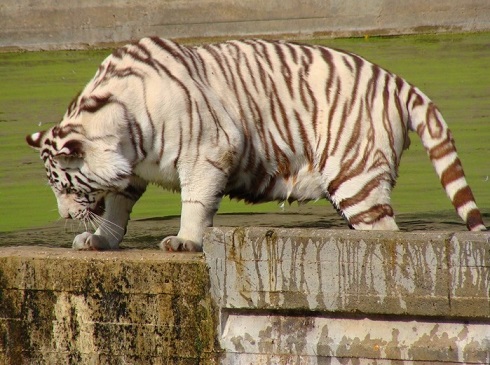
[{"x": 427, "y": 121}]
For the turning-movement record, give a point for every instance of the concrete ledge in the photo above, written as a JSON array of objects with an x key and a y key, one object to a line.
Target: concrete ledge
[
  {"x": 257, "y": 296},
  {"x": 51, "y": 24},
  {"x": 58, "y": 306},
  {"x": 302, "y": 295},
  {"x": 417, "y": 273}
]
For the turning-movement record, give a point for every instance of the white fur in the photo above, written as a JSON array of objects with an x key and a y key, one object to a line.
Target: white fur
[{"x": 234, "y": 118}]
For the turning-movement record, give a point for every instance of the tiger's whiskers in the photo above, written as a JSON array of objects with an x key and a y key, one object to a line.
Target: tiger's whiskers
[{"x": 112, "y": 228}]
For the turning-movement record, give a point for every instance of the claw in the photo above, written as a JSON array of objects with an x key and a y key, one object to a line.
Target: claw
[{"x": 176, "y": 244}]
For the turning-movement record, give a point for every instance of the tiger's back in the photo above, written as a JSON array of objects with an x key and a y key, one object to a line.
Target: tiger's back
[
  {"x": 310, "y": 114},
  {"x": 260, "y": 120}
]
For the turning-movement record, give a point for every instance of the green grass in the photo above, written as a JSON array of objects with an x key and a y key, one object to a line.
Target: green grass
[{"x": 36, "y": 87}]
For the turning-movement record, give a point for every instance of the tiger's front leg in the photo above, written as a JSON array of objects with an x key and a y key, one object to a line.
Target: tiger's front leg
[
  {"x": 200, "y": 201},
  {"x": 195, "y": 217},
  {"x": 112, "y": 223}
]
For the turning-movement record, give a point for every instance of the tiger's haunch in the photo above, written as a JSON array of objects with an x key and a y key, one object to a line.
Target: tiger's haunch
[{"x": 256, "y": 120}]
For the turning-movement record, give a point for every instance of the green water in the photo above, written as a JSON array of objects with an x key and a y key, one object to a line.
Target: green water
[{"x": 36, "y": 87}]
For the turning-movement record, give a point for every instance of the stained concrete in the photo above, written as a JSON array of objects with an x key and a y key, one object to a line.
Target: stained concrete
[
  {"x": 256, "y": 296},
  {"x": 307, "y": 296},
  {"x": 58, "y": 306},
  {"x": 283, "y": 339},
  {"x": 416, "y": 273}
]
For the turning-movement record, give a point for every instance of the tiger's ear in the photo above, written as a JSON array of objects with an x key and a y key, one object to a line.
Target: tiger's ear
[
  {"x": 34, "y": 140},
  {"x": 72, "y": 148}
]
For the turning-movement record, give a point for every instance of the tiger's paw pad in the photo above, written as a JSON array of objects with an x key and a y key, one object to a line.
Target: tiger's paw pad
[
  {"x": 176, "y": 244},
  {"x": 89, "y": 241}
]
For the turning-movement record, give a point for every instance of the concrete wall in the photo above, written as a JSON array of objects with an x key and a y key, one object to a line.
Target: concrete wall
[
  {"x": 344, "y": 297},
  {"x": 58, "y": 306},
  {"x": 51, "y": 24},
  {"x": 264, "y": 296}
]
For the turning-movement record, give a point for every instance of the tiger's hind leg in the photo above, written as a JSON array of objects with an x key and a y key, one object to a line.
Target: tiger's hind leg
[{"x": 369, "y": 208}]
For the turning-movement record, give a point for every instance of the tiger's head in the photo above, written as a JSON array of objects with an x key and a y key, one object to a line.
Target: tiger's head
[{"x": 80, "y": 171}]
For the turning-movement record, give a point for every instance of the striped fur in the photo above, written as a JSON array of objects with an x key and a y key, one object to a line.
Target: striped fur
[{"x": 253, "y": 119}]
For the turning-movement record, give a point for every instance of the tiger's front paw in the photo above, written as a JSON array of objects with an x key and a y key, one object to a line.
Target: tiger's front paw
[
  {"x": 90, "y": 241},
  {"x": 174, "y": 244}
]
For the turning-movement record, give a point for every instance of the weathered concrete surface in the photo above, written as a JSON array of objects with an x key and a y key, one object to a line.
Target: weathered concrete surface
[
  {"x": 282, "y": 339},
  {"x": 416, "y": 273},
  {"x": 58, "y": 306},
  {"x": 263, "y": 295},
  {"x": 49, "y": 24},
  {"x": 321, "y": 296}
]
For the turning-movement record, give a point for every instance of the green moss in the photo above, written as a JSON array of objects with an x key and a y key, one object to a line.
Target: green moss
[{"x": 452, "y": 69}]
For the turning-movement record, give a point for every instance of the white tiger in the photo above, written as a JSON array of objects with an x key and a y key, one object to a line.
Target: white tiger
[{"x": 253, "y": 119}]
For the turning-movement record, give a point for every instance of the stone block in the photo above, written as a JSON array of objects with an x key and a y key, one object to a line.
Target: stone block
[
  {"x": 410, "y": 273},
  {"x": 59, "y": 306},
  {"x": 317, "y": 296}
]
